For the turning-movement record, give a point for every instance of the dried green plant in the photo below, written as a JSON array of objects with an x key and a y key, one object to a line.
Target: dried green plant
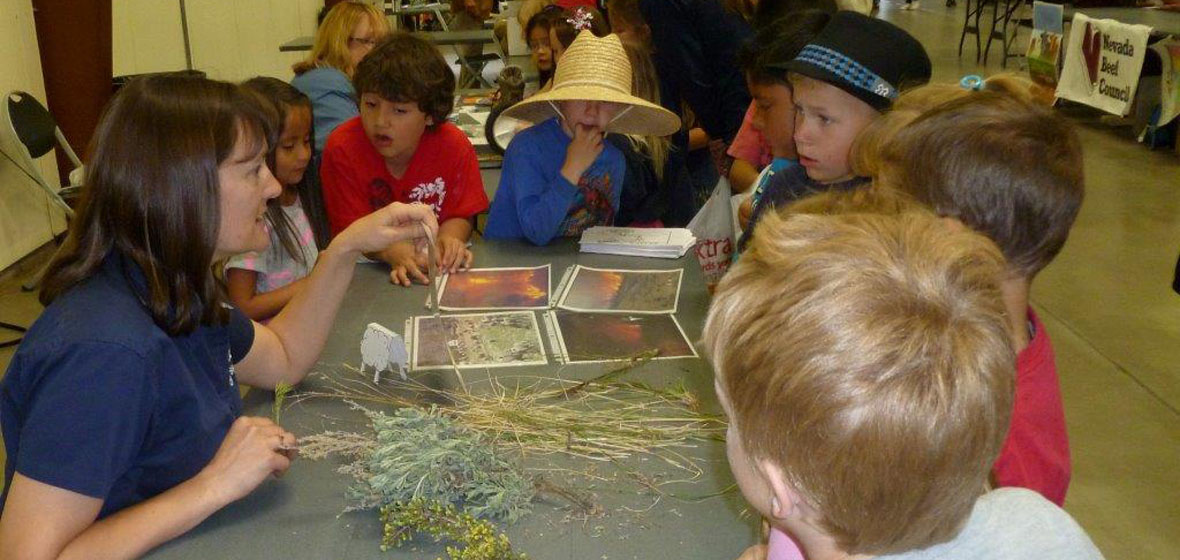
[
  {"x": 476, "y": 539},
  {"x": 421, "y": 453}
]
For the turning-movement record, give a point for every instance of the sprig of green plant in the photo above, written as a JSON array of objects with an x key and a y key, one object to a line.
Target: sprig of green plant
[
  {"x": 477, "y": 539},
  {"x": 281, "y": 390}
]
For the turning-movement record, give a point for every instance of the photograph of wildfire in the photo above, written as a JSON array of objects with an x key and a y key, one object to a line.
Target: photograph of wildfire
[
  {"x": 599, "y": 337},
  {"x": 496, "y": 288},
  {"x": 622, "y": 291}
]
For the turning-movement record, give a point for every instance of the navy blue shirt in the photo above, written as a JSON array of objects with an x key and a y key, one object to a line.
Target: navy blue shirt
[
  {"x": 100, "y": 401},
  {"x": 786, "y": 187},
  {"x": 695, "y": 45}
]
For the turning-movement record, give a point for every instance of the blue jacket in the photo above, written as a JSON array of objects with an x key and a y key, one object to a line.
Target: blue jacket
[
  {"x": 333, "y": 100},
  {"x": 534, "y": 201}
]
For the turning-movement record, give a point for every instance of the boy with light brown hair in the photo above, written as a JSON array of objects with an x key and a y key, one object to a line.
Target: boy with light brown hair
[
  {"x": 1011, "y": 169},
  {"x": 865, "y": 364}
]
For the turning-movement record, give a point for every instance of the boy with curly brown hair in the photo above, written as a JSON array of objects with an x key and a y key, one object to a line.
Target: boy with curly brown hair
[{"x": 402, "y": 149}]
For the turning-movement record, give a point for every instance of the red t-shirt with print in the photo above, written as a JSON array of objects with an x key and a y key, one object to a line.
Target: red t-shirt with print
[{"x": 443, "y": 173}]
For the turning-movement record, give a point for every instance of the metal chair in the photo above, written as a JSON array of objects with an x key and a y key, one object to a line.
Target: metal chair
[
  {"x": 1003, "y": 13},
  {"x": 27, "y": 133},
  {"x": 1001, "y": 17},
  {"x": 973, "y": 12}
]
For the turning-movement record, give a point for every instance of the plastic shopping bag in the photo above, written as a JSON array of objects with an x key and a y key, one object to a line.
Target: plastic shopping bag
[{"x": 713, "y": 227}]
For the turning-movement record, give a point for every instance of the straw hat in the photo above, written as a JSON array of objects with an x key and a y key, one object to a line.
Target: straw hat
[{"x": 597, "y": 69}]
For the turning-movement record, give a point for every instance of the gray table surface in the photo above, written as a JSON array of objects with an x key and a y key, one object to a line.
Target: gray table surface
[
  {"x": 469, "y": 37},
  {"x": 432, "y": 8},
  {"x": 303, "y": 43},
  {"x": 300, "y": 515},
  {"x": 1162, "y": 22}
]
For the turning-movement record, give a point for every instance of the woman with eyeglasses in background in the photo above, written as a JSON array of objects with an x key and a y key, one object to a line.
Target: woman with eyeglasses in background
[{"x": 349, "y": 31}]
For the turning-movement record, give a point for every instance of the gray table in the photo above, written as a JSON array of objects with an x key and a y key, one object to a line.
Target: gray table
[
  {"x": 300, "y": 516},
  {"x": 470, "y": 37},
  {"x": 1162, "y": 22},
  {"x": 298, "y": 44},
  {"x": 466, "y": 37}
]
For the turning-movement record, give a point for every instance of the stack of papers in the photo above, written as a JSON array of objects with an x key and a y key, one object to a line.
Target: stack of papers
[{"x": 665, "y": 243}]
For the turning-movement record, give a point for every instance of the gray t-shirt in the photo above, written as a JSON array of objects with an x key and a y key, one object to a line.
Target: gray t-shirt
[{"x": 1013, "y": 524}]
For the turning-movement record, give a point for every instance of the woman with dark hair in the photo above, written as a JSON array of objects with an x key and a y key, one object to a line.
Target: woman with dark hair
[{"x": 120, "y": 412}]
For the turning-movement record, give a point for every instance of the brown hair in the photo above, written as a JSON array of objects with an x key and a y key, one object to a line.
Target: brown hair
[
  {"x": 528, "y": 9},
  {"x": 331, "y": 38},
  {"x": 779, "y": 41},
  {"x": 563, "y": 24},
  {"x": 645, "y": 85},
  {"x": 867, "y": 147},
  {"x": 1004, "y": 166},
  {"x": 152, "y": 193},
  {"x": 626, "y": 13},
  {"x": 856, "y": 347},
  {"x": 408, "y": 69},
  {"x": 279, "y": 98}
]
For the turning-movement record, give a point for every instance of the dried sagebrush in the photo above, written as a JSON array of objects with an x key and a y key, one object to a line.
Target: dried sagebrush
[{"x": 423, "y": 454}]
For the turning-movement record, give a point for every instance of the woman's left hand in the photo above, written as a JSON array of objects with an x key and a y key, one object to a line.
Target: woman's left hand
[{"x": 396, "y": 222}]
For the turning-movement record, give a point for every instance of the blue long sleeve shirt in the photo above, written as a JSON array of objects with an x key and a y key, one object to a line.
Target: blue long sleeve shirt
[
  {"x": 333, "y": 100},
  {"x": 536, "y": 202}
]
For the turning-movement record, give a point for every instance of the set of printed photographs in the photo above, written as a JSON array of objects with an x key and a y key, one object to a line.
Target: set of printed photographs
[{"x": 600, "y": 315}]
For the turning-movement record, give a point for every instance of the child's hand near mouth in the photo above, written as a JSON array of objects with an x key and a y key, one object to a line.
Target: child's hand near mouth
[{"x": 581, "y": 153}]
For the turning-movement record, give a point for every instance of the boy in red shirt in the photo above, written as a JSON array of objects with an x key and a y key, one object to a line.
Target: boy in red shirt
[
  {"x": 1018, "y": 180},
  {"x": 402, "y": 149}
]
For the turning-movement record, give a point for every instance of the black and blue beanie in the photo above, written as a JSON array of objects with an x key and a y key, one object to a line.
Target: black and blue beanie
[{"x": 869, "y": 58}]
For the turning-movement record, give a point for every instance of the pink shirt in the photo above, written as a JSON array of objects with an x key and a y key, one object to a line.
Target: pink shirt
[{"x": 749, "y": 145}]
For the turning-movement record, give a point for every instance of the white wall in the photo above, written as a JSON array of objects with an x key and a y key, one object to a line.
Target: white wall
[
  {"x": 230, "y": 40},
  {"x": 26, "y": 216}
]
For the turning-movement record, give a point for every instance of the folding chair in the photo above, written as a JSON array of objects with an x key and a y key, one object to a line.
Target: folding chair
[
  {"x": 1004, "y": 14},
  {"x": 973, "y": 13},
  {"x": 27, "y": 133}
]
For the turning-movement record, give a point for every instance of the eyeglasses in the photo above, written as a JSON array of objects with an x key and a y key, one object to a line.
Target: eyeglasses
[{"x": 370, "y": 43}]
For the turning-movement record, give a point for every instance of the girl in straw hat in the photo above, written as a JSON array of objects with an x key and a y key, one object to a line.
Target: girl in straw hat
[{"x": 559, "y": 178}]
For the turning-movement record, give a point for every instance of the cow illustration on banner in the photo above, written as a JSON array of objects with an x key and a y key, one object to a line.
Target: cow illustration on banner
[{"x": 1102, "y": 63}]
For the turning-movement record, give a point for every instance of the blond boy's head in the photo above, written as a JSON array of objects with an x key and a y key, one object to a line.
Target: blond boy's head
[
  {"x": 866, "y": 199},
  {"x": 866, "y": 359}
]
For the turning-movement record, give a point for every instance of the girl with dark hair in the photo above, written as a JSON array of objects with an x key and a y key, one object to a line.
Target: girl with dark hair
[
  {"x": 261, "y": 283},
  {"x": 120, "y": 412},
  {"x": 536, "y": 32}
]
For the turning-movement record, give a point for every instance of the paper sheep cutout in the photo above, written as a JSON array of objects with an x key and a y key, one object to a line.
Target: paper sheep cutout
[{"x": 384, "y": 350}]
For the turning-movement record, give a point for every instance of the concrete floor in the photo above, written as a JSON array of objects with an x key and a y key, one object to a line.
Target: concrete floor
[{"x": 1106, "y": 301}]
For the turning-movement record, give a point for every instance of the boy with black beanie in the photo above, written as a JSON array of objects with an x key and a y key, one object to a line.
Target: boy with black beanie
[{"x": 843, "y": 80}]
